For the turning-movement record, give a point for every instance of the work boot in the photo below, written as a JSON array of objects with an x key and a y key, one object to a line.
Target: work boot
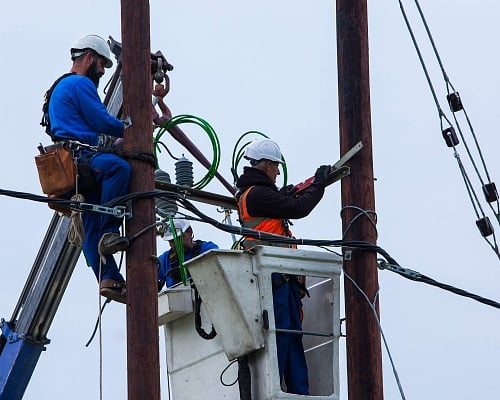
[
  {"x": 112, "y": 243},
  {"x": 113, "y": 290}
]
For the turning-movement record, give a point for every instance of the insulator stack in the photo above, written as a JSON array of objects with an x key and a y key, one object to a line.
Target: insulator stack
[
  {"x": 164, "y": 208},
  {"x": 184, "y": 172}
]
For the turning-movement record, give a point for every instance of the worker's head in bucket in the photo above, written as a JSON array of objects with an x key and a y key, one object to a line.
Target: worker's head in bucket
[
  {"x": 264, "y": 154},
  {"x": 90, "y": 55},
  {"x": 183, "y": 231}
]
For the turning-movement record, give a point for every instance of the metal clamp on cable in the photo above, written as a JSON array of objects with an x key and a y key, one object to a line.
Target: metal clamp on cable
[
  {"x": 409, "y": 273},
  {"x": 118, "y": 211}
]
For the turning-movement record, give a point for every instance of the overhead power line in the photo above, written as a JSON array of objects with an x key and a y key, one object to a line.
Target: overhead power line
[{"x": 449, "y": 129}]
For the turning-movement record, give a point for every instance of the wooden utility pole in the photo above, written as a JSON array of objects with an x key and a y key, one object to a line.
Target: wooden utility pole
[
  {"x": 143, "y": 366},
  {"x": 364, "y": 357}
]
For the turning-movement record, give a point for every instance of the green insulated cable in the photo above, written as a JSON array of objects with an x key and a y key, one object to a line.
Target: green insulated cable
[
  {"x": 214, "y": 140},
  {"x": 239, "y": 152},
  {"x": 179, "y": 250}
]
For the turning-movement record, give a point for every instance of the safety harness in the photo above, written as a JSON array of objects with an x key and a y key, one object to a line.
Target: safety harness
[{"x": 45, "y": 122}]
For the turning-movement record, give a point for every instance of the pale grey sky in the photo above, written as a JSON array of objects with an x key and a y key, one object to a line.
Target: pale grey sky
[{"x": 271, "y": 67}]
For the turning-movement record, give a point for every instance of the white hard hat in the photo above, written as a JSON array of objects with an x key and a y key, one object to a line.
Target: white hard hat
[
  {"x": 263, "y": 149},
  {"x": 181, "y": 225},
  {"x": 95, "y": 43}
]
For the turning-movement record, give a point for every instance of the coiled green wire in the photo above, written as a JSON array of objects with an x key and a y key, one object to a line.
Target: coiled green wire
[
  {"x": 214, "y": 140},
  {"x": 239, "y": 153}
]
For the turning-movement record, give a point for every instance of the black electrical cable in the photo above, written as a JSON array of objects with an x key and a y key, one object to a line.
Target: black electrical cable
[
  {"x": 197, "y": 318},
  {"x": 418, "y": 277},
  {"x": 183, "y": 202},
  {"x": 353, "y": 244},
  {"x": 92, "y": 335},
  {"x": 224, "y": 371},
  {"x": 244, "y": 378}
]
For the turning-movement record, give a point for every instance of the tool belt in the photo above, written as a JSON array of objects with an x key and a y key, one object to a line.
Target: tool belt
[{"x": 57, "y": 169}]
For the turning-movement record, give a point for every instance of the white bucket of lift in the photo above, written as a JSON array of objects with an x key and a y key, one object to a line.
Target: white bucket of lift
[{"x": 230, "y": 294}]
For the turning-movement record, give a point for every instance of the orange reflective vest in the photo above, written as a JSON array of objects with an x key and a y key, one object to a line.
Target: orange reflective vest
[{"x": 275, "y": 226}]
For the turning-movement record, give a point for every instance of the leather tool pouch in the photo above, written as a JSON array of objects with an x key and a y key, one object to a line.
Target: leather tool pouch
[{"x": 56, "y": 169}]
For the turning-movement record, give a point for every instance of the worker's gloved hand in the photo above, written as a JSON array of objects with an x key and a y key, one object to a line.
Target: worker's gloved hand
[{"x": 321, "y": 175}]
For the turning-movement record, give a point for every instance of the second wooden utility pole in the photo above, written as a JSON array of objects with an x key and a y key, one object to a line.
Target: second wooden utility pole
[
  {"x": 363, "y": 345},
  {"x": 143, "y": 365}
]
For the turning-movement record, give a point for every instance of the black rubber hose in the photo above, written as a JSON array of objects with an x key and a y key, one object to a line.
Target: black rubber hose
[{"x": 244, "y": 379}]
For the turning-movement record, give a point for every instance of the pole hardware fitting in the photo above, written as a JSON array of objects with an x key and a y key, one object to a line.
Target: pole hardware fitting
[
  {"x": 118, "y": 211},
  {"x": 450, "y": 137},
  {"x": 490, "y": 192},
  {"x": 31, "y": 339},
  {"x": 13, "y": 337},
  {"x": 342, "y": 320},
  {"x": 409, "y": 273},
  {"x": 265, "y": 319},
  {"x": 454, "y": 102},
  {"x": 485, "y": 227},
  {"x": 347, "y": 255}
]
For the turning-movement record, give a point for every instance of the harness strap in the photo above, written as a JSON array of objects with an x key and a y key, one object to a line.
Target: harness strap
[
  {"x": 45, "y": 122},
  {"x": 86, "y": 176}
]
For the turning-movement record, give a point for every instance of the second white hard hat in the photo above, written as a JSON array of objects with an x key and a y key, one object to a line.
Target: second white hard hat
[
  {"x": 263, "y": 149},
  {"x": 95, "y": 43},
  {"x": 181, "y": 225}
]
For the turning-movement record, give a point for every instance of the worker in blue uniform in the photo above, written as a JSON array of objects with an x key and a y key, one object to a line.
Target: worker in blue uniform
[
  {"x": 168, "y": 262},
  {"x": 265, "y": 208},
  {"x": 76, "y": 113}
]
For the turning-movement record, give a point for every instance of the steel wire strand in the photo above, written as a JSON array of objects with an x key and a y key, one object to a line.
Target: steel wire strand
[
  {"x": 373, "y": 222},
  {"x": 469, "y": 123},
  {"x": 431, "y": 86},
  {"x": 473, "y": 196},
  {"x": 377, "y": 320},
  {"x": 422, "y": 63},
  {"x": 449, "y": 84},
  {"x": 470, "y": 189},
  {"x": 429, "y": 81}
]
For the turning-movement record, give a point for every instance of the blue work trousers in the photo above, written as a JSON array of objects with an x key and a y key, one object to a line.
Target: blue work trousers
[
  {"x": 112, "y": 174},
  {"x": 291, "y": 358}
]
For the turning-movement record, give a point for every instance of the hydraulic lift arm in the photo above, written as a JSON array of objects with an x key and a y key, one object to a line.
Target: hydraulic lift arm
[{"x": 23, "y": 337}]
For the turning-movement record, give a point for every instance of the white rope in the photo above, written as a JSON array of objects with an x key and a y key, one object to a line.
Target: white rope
[
  {"x": 76, "y": 234},
  {"x": 100, "y": 330}
]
